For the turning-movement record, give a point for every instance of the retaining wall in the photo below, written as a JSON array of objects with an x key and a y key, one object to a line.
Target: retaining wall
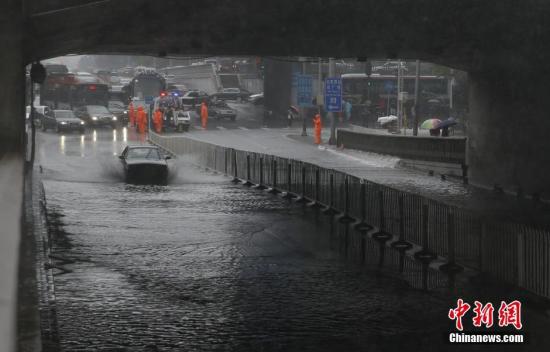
[{"x": 445, "y": 150}]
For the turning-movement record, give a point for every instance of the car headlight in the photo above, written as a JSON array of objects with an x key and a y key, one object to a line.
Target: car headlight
[
  {"x": 94, "y": 118},
  {"x": 114, "y": 118},
  {"x": 63, "y": 122},
  {"x": 82, "y": 122}
]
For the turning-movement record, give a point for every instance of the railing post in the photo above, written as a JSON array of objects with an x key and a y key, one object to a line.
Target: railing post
[
  {"x": 247, "y": 183},
  {"x": 303, "y": 198},
  {"x": 235, "y": 174},
  {"x": 451, "y": 267},
  {"x": 261, "y": 185},
  {"x": 346, "y": 219},
  {"x": 363, "y": 226},
  {"x": 274, "y": 189},
  {"x": 225, "y": 161},
  {"x": 425, "y": 255},
  {"x": 382, "y": 236},
  {"x": 329, "y": 210},
  {"x": 401, "y": 244},
  {"x": 289, "y": 194},
  {"x": 315, "y": 203}
]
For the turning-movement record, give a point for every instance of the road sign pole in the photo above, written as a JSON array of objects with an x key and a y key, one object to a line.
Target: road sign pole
[
  {"x": 332, "y": 140},
  {"x": 415, "y": 117},
  {"x": 304, "y": 131}
]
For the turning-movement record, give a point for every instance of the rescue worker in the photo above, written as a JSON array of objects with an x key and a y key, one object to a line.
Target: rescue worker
[
  {"x": 157, "y": 120},
  {"x": 317, "y": 125},
  {"x": 204, "y": 115},
  {"x": 141, "y": 119},
  {"x": 131, "y": 114}
]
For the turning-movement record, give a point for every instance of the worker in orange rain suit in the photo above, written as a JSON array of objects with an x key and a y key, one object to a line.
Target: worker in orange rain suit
[
  {"x": 204, "y": 114},
  {"x": 317, "y": 126},
  {"x": 132, "y": 114},
  {"x": 141, "y": 119},
  {"x": 157, "y": 120}
]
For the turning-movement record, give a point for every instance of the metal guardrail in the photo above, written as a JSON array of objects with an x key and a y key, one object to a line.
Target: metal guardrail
[{"x": 515, "y": 253}]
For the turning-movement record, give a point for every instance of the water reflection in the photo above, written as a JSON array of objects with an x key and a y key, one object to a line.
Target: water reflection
[{"x": 62, "y": 144}]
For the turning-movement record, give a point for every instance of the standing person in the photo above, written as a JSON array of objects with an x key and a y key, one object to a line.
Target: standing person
[
  {"x": 157, "y": 120},
  {"x": 169, "y": 117},
  {"x": 131, "y": 114},
  {"x": 347, "y": 110},
  {"x": 289, "y": 118},
  {"x": 141, "y": 119},
  {"x": 317, "y": 125},
  {"x": 204, "y": 115}
]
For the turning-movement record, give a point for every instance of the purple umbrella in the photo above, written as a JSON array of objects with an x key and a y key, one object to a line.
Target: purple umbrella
[{"x": 446, "y": 123}]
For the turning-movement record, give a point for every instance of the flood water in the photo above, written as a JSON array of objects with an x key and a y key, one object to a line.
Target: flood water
[{"x": 206, "y": 265}]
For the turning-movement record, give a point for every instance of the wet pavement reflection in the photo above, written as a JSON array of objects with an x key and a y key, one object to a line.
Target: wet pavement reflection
[{"x": 203, "y": 265}]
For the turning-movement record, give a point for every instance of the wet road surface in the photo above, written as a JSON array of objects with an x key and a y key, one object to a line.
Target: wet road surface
[{"x": 204, "y": 265}]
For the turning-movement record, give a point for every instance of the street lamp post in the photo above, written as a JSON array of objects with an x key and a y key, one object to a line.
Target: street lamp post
[
  {"x": 332, "y": 139},
  {"x": 303, "y": 110}
]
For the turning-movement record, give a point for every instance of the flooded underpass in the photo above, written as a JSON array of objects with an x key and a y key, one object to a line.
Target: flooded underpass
[{"x": 203, "y": 264}]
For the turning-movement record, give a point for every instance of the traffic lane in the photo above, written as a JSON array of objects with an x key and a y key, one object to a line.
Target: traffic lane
[
  {"x": 207, "y": 266},
  {"x": 203, "y": 264},
  {"x": 88, "y": 157}
]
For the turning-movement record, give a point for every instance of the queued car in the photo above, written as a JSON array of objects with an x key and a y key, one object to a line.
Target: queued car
[
  {"x": 62, "y": 120},
  {"x": 118, "y": 109},
  {"x": 96, "y": 115},
  {"x": 238, "y": 94},
  {"x": 180, "y": 122},
  {"x": 219, "y": 110},
  {"x": 194, "y": 98},
  {"x": 256, "y": 99},
  {"x": 144, "y": 165}
]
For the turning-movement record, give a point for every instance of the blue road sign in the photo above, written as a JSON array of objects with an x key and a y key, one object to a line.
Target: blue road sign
[
  {"x": 303, "y": 90},
  {"x": 333, "y": 94}
]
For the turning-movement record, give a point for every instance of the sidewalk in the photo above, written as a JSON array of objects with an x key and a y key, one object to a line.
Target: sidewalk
[{"x": 381, "y": 169}]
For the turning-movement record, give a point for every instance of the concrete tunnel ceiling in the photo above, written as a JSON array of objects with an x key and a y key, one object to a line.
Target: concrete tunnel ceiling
[{"x": 471, "y": 35}]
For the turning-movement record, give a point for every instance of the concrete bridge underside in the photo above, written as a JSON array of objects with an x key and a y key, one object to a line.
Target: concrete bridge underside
[{"x": 502, "y": 44}]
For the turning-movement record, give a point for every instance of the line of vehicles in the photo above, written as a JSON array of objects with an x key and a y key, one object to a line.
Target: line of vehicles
[{"x": 96, "y": 100}]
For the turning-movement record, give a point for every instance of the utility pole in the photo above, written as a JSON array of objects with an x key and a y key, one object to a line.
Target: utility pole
[
  {"x": 450, "y": 89},
  {"x": 332, "y": 139},
  {"x": 398, "y": 100},
  {"x": 415, "y": 109},
  {"x": 304, "y": 109}
]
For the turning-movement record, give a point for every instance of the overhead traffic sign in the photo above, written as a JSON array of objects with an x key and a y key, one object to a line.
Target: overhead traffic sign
[
  {"x": 333, "y": 94},
  {"x": 303, "y": 90}
]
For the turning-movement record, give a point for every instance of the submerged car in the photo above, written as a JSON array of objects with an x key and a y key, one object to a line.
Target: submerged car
[
  {"x": 144, "y": 165},
  {"x": 62, "y": 120}
]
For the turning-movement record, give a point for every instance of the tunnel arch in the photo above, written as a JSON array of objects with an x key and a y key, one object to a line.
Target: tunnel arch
[
  {"x": 467, "y": 35},
  {"x": 502, "y": 44}
]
